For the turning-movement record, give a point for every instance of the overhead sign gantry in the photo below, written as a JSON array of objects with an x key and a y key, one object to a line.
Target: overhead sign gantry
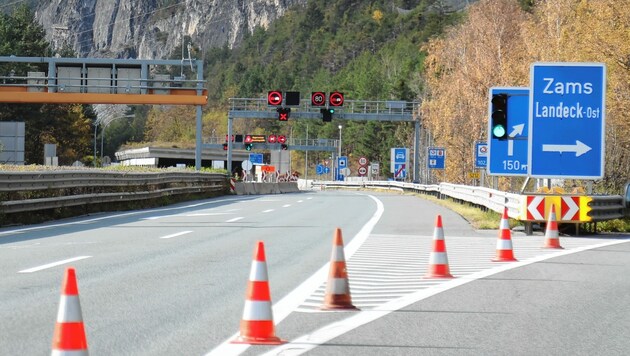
[
  {"x": 314, "y": 108},
  {"x": 52, "y": 80}
]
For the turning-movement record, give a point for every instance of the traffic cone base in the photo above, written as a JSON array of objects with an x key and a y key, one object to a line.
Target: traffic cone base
[
  {"x": 438, "y": 260},
  {"x": 257, "y": 327},
  {"x": 338, "y": 287},
  {"x": 264, "y": 329}
]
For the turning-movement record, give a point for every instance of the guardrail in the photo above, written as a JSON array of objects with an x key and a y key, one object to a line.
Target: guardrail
[
  {"x": 579, "y": 209},
  {"x": 42, "y": 190}
]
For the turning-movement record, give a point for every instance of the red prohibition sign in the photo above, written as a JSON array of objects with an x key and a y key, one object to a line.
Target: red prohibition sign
[
  {"x": 336, "y": 99},
  {"x": 274, "y": 98},
  {"x": 318, "y": 98}
]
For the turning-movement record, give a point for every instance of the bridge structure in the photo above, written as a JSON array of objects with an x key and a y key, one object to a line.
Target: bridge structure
[{"x": 359, "y": 110}]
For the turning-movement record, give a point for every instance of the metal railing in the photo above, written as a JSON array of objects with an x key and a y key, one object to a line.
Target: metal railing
[
  {"x": 602, "y": 207},
  {"x": 59, "y": 188},
  {"x": 349, "y": 106}
]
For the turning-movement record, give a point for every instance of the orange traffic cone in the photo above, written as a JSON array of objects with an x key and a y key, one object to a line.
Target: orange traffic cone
[
  {"x": 504, "y": 243},
  {"x": 69, "y": 337},
  {"x": 438, "y": 260},
  {"x": 338, "y": 288},
  {"x": 257, "y": 325},
  {"x": 551, "y": 232}
]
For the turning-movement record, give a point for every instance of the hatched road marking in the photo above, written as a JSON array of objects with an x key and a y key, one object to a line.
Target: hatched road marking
[{"x": 388, "y": 267}]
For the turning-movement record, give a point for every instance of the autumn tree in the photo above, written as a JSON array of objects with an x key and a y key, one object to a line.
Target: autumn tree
[{"x": 484, "y": 51}]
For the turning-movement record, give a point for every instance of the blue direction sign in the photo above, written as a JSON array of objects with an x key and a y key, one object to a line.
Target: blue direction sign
[
  {"x": 508, "y": 157},
  {"x": 342, "y": 162},
  {"x": 400, "y": 170},
  {"x": 567, "y": 118},
  {"x": 256, "y": 158},
  {"x": 436, "y": 157},
  {"x": 481, "y": 154}
]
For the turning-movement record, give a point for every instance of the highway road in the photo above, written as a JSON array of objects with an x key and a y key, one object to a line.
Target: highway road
[{"x": 171, "y": 281}]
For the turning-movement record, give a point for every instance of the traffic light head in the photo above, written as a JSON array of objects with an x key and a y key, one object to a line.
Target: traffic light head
[
  {"x": 327, "y": 114},
  {"x": 284, "y": 147},
  {"x": 498, "y": 117},
  {"x": 249, "y": 146},
  {"x": 283, "y": 114},
  {"x": 225, "y": 146}
]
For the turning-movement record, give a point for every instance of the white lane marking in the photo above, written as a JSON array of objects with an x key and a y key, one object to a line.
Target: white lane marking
[
  {"x": 286, "y": 205},
  {"x": 53, "y": 264},
  {"x": 300, "y": 201},
  {"x": 176, "y": 234},
  {"x": 310, "y": 341},
  {"x": 268, "y": 210},
  {"x": 235, "y": 219},
  {"x": 87, "y": 221},
  {"x": 291, "y": 301},
  {"x": 309, "y": 198},
  {"x": 206, "y": 214},
  {"x": 20, "y": 246},
  {"x": 232, "y": 210}
]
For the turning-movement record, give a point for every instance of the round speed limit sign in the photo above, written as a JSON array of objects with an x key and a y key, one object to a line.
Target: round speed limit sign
[{"x": 363, "y": 161}]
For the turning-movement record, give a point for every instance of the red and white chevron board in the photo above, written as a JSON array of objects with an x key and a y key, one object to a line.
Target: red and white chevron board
[
  {"x": 535, "y": 207},
  {"x": 568, "y": 207}
]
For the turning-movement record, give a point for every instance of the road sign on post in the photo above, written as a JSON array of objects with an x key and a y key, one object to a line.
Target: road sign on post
[
  {"x": 481, "y": 154},
  {"x": 436, "y": 157},
  {"x": 342, "y": 164},
  {"x": 567, "y": 118},
  {"x": 508, "y": 157}
]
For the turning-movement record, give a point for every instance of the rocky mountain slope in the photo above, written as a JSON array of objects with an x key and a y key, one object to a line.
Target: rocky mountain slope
[{"x": 152, "y": 29}]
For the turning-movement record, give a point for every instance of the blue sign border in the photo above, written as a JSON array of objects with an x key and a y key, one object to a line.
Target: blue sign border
[{"x": 567, "y": 165}]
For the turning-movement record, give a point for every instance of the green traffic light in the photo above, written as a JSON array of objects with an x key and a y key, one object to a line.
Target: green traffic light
[{"x": 499, "y": 131}]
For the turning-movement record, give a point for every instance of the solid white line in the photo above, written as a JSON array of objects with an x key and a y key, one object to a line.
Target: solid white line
[
  {"x": 176, "y": 234},
  {"x": 205, "y": 214},
  {"x": 54, "y": 264},
  {"x": 286, "y": 205},
  {"x": 296, "y": 297},
  {"x": 234, "y": 219},
  {"x": 268, "y": 210}
]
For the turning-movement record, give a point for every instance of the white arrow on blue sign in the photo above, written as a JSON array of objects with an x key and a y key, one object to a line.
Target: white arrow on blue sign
[
  {"x": 567, "y": 120},
  {"x": 509, "y": 157}
]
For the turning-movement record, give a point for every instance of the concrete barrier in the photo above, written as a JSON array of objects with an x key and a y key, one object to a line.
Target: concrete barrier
[{"x": 253, "y": 188}]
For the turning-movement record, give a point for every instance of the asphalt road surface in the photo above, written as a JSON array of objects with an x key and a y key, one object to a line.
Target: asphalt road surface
[{"x": 172, "y": 281}]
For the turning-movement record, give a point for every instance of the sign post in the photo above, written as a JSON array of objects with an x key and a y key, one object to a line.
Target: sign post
[{"x": 567, "y": 120}]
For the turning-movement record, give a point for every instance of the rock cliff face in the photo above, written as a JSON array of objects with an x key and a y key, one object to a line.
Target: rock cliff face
[{"x": 152, "y": 29}]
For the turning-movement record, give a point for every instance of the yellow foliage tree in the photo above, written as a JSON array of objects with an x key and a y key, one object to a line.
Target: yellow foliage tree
[{"x": 496, "y": 45}]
